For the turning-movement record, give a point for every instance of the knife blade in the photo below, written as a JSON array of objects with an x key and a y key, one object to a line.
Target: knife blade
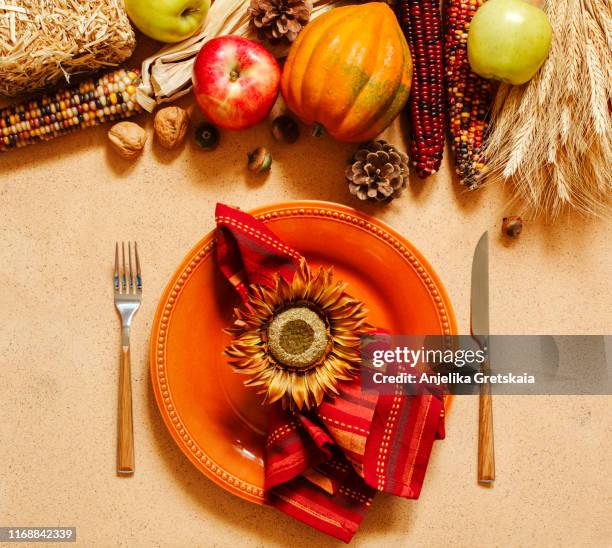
[
  {"x": 479, "y": 327},
  {"x": 479, "y": 310}
]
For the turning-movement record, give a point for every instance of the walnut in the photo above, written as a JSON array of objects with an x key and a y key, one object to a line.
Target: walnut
[
  {"x": 171, "y": 126},
  {"x": 128, "y": 139}
]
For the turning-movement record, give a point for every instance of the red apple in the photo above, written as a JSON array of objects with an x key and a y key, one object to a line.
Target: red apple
[{"x": 235, "y": 81}]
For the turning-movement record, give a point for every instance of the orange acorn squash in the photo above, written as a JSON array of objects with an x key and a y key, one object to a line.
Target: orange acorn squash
[{"x": 349, "y": 71}]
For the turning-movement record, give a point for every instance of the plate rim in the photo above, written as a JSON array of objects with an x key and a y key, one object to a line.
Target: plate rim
[{"x": 201, "y": 250}]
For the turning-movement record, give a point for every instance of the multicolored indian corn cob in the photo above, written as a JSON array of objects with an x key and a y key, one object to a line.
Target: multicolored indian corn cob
[
  {"x": 469, "y": 96},
  {"x": 422, "y": 25},
  {"x": 110, "y": 97}
]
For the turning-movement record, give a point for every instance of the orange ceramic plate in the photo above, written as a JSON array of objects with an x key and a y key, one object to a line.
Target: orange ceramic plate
[{"x": 217, "y": 422}]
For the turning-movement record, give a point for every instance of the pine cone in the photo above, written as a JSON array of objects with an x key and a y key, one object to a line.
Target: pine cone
[
  {"x": 278, "y": 20},
  {"x": 378, "y": 172}
]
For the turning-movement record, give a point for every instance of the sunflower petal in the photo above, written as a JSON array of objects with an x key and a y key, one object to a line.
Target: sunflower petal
[
  {"x": 298, "y": 390},
  {"x": 347, "y": 339},
  {"x": 277, "y": 385},
  {"x": 326, "y": 376},
  {"x": 317, "y": 390}
]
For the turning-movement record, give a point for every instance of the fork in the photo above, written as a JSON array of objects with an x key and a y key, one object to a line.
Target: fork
[{"x": 127, "y": 282}]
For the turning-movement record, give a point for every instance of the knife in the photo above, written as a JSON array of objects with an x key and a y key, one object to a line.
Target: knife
[{"x": 479, "y": 320}]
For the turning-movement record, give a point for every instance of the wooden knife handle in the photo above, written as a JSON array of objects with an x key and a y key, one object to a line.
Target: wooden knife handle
[
  {"x": 125, "y": 442},
  {"x": 486, "y": 454}
]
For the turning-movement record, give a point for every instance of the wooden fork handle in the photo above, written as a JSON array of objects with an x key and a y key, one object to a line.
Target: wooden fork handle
[
  {"x": 486, "y": 454},
  {"x": 125, "y": 442}
]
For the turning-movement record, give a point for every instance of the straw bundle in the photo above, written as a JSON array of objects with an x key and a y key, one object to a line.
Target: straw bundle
[{"x": 42, "y": 41}]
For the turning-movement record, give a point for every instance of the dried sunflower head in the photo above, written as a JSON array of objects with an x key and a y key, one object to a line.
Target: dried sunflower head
[{"x": 298, "y": 339}]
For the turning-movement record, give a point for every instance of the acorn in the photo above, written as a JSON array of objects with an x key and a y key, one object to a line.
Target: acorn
[
  {"x": 512, "y": 226},
  {"x": 285, "y": 129},
  {"x": 207, "y": 136},
  {"x": 260, "y": 160}
]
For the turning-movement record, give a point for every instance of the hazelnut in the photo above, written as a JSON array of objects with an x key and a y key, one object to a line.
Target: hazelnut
[
  {"x": 207, "y": 136},
  {"x": 285, "y": 129},
  {"x": 260, "y": 160},
  {"x": 171, "y": 125},
  {"x": 128, "y": 139},
  {"x": 512, "y": 226}
]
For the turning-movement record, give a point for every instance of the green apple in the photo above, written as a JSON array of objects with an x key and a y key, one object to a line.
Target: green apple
[
  {"x": 167, "y": 20},
  {"x": 508, "y": 40}
]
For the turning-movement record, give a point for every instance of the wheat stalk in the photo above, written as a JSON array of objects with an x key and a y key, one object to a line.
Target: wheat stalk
[{"x": 551, "y": 138}]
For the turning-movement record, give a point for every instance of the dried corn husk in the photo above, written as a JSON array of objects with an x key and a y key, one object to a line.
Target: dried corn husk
[
  {"x": 552, "y": 137},
  {"x": 166, "y": 76},
  {"x": 43, "y": 41}
]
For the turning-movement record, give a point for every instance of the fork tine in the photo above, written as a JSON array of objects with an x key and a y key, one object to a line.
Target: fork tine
[
  {"x": 138, "y": 273},
  {"x": 123, "y": 280},
  {"x": 130, "y": 264},
  {"x": 116, "y": 276}
]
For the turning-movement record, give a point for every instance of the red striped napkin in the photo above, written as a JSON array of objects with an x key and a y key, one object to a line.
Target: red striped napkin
[{"x": 323, "y": 467}]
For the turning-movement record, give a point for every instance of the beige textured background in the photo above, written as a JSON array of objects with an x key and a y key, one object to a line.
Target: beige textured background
[{"x": 63, "y": 205}]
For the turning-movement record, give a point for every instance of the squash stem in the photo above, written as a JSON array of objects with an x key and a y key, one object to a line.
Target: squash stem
[{"x": 317, "y": 130}]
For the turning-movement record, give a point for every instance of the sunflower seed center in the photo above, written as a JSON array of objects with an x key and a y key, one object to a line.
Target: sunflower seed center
[{"x": 297, "y": 337}]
